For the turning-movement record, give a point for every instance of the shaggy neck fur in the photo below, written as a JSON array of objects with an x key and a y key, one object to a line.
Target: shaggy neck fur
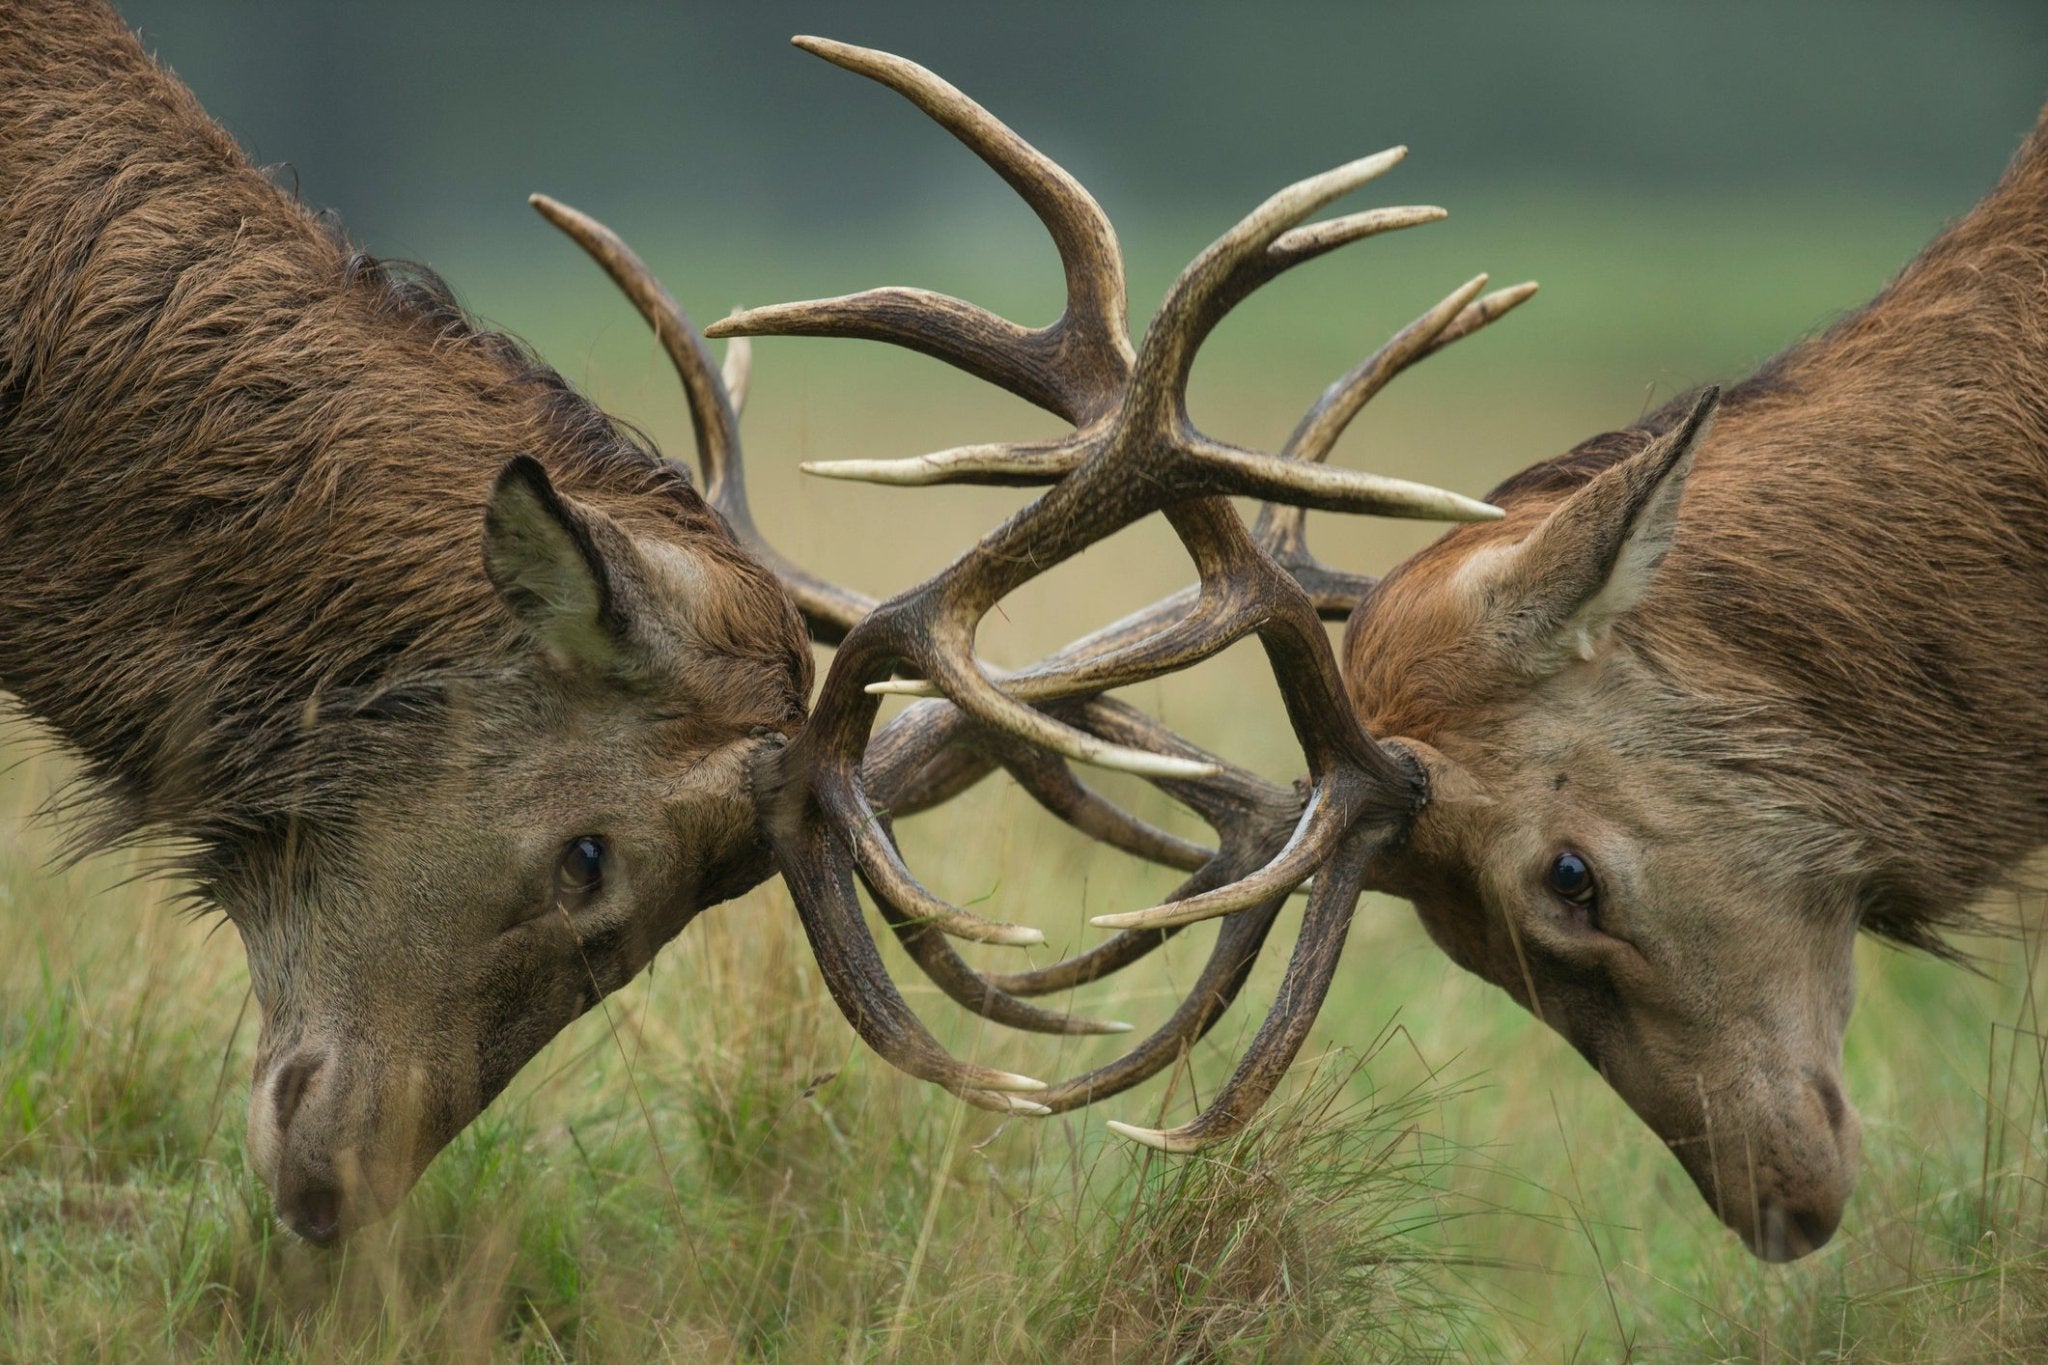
[{"x": 243, "y": 469}]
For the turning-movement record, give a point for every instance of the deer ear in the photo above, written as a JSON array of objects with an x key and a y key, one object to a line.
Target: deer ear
[
  {"x": 1593, "y": 559},
  {"x": 566, "y": 570}
]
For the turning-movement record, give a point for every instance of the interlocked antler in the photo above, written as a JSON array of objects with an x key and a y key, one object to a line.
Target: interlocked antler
[{"x": 1133, "y": 452}]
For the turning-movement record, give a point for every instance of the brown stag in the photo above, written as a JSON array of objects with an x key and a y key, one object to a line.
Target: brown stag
[
  {"x": 264, "y": 505},
  {"x": 459, "y": 701},
  {"x": 1700, "y": 707}
]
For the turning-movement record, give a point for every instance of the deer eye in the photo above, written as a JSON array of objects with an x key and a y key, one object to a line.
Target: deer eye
[
  {"x": 1571, "y": 878},
  {"x": 579, "y": 872}
]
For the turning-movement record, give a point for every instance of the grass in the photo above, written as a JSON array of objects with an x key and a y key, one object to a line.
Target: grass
[{"x": 712, "y": 1168}]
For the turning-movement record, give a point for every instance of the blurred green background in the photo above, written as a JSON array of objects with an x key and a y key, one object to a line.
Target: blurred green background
[{"x": 1694, "y": 185}]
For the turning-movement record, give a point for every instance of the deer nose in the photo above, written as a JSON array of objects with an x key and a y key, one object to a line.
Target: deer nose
[
  {"x": 312, "y": 1210},
  {"x": 308, "y": 1197}
]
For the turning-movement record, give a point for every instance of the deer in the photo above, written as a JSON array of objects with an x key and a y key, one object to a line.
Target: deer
[
  {"x": 1678, "y": 714},
  {"x": 458, "y": 700}
]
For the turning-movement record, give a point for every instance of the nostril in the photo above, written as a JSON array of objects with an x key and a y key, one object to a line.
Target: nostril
[
  {"x": 315, "y": 1214},
  {"x": 1815, "y": 1226},
  {"x": 1831, "y": 1100},
  {"x": 294, "y": 1078}
]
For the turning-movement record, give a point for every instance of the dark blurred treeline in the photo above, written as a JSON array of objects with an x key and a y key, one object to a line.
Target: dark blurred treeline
[{"x": 415, "y": 118}]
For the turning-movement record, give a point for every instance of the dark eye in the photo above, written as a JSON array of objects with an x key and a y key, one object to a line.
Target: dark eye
[
  {"x": 1571, "y": 877},
  {"x": 579, "y": 873}
]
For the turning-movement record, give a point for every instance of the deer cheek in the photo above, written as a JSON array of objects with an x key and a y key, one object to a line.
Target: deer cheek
[{"x": 522, "y": 1001}]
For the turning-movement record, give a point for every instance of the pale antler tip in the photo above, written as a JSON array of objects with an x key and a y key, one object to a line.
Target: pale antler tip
[
  {"x": 831, "y": 49},
  {"x": 902, "y": 687},
  {"x": 1379, "y": 163},
  {"x": 1144, "y": 763},
  {"x": 1164, "y": 1140},
  {"x": 556, "y": 212},
  {"x": 1009, "y": 1081},
  {"x": 1154, "y": 917},
  {"x": 911, "y": 473}
]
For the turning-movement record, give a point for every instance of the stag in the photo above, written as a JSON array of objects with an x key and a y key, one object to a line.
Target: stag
[
  {"x": 1705, "y": 702},
  {"x": 445, "y": 685},
  {"x": 459, "y": 701}
]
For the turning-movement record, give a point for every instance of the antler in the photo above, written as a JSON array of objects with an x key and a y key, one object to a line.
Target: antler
[{"x": 1132, "y": 452}]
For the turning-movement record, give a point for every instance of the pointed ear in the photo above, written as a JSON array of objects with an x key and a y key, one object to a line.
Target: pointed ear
[
  {"x": 567, "y": 571},
  {"x": 1592, "y": 560}
]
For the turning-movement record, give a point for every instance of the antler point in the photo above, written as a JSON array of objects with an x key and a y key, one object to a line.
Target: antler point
[{"x": 1159, "y": 1139}]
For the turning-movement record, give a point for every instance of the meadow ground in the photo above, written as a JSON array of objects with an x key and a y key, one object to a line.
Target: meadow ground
[{"x": 711, "y": 1167}]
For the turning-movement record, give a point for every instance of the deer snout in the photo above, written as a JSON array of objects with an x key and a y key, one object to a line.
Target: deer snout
[
  {"x": 336, "y": 1151},
  {"x": 303, "y": 1185},
  {"x": 1783, "y": 1183}
]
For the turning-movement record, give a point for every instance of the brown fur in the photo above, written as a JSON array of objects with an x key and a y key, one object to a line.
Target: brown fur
[
  {"x": 244, "y": 473},
  {"x": 1823, "y": 710}
]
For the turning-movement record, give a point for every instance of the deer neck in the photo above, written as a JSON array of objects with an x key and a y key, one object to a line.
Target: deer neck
[{"x": 1862, "y": 558}]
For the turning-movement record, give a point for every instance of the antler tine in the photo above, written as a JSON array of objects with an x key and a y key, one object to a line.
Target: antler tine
[
  {"x": 818, "y": 869},
  {"x": 1231, "y": 601},
  {"x": 1246, "y": 810},
  {"x": 928, "y": 948},
  {"x": 1018, "y": 464},
  {"x": 828, "y": 609},
  {"x": 1032, "y": 463},
  {"x": 1052, "y": 784},
  {"x": 1281, "y": 529},
  {"x": 1251, "y": 816},
  {"x": 1073, "y": 367},
  {"x": 933, "y": 751},
  {"x": 1228, "y": 967},
  {"x": 897, "y": 890},
  {"x": 712, "y": 411},
  {"x": 1319, "y": 428},
  {"x": 923, "y": 758},
  {"x": 1324, "y": 928},
  {"x": 1253, "y": 819}
]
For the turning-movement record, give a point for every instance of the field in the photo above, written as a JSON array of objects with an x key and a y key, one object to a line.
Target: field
[{"x": 711, "y": 1167}]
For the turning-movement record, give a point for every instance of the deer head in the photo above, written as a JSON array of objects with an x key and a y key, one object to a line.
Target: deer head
[
  {"x": 534, "y": 833},
  {"x": 1596, "y": 847}
]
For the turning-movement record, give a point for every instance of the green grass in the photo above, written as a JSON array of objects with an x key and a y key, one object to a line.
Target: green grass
[{"x": 712, "y": 1168}]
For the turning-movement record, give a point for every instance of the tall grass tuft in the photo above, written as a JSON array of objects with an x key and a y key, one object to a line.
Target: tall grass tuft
[{"x": 1321, "y": 1231}]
